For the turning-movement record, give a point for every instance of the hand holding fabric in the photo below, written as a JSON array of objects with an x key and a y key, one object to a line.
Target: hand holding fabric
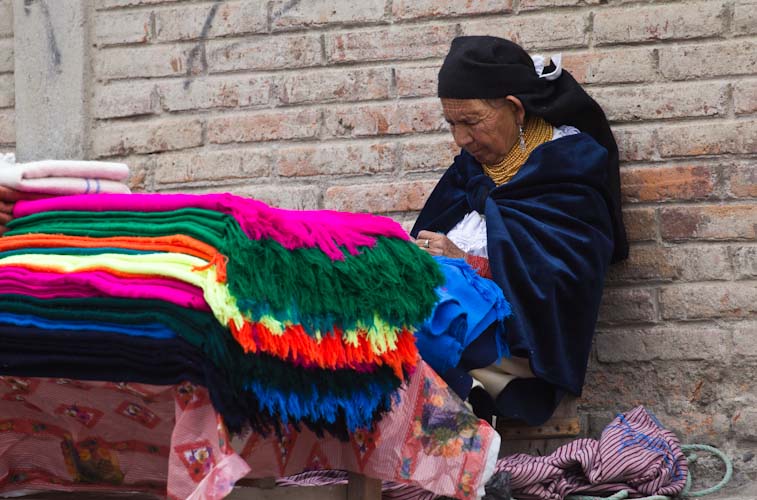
[{"x": 437, "y": 244}]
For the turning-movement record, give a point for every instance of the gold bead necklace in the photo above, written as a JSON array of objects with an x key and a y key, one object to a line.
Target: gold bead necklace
[{"x": 536, "y": 131}]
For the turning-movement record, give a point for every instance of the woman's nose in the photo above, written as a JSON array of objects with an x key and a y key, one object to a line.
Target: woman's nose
[{"x": 461, "y": 136}]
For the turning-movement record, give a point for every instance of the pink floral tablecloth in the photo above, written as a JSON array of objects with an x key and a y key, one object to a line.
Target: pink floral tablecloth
[{"x": 62, "y": 434}]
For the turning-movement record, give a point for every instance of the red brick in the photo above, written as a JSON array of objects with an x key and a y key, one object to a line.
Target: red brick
[
  {"x": 417, "y": 81},
  {"x": 658, "y": 384},
  {"x": 553, "y": 31},
  {"x": 385, "y": 119},
  {"x": 428, "y": 154},
  {"x": 120, "y": 139},
  {"x": 712, "y": 222},
  {"x": 230, "y": 18},
  {"x": 339, "y": 159},
  {"x": 334, "y": 86},
  {"x": 7, "y": 126},
  {"x": 695, "y": 426},
  {"x": 662, "y": 343},
  {"x": 283, "y": 195},
  {"x": 120, "y": 99},
  {"x": 665, "y": 183},
  {"x": 406, "y": 221},
  {"x": 746, "y": 425},
  {"x": 6, "y": 55},
  {"x": 116, "y": 27},
  {"x": 635, "y": 143},
  {"x": 742, "y": 181},
  {"x": 677, "y": 263},
  {"x": 145, "y": 61},
  {"x": 704, "y": 60},
  {"x": 6, "y": 18},
  {"x": 666, "y": 22},
  {"x": 7, "y": 91},
  {"x": 286, "y": 14},
  {"x": 212, "y": 92},
  {"x": 658, "y": 101},
  {"x": 708, "y": 300},
  {"x": 708, "y": 138},
  {"x": 628, "y": 305},
  {"x": 745, "y": 96},
  {"x": 626, "y": 385},
  {"x": 640, "y": 223},
  {"x": 612, "y": 65},
  {"x": 264, "y": 53},
  {"x": 744, "y": 261},
  {"x": 264, "y": 126},
  {"x": 139, "y": 171},
  {"x": 526, "y": 5},
  {"x": 221, "y": 165},
  {"x": 379, "y": 198},
  {"x": 414, "y": 9},
  {"x": 745, "y": 339},
  {"x": 397, "y": 42},
  {"x": 745, "y": 17}
]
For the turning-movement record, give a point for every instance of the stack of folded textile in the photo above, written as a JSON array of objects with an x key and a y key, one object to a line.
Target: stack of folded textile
[
  {"x": 302, "y": 317},
  {"x": 59, "y": 177}
]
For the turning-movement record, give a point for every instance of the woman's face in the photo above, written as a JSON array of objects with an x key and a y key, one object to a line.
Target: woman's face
[{"x": 486, "y": 131}]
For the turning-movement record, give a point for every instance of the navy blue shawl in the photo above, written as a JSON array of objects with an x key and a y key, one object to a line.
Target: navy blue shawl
[{"x": 550, "y": 241}]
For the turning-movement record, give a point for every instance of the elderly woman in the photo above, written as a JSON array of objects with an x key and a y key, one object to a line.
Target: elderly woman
[{"x": 532, "y": 202}]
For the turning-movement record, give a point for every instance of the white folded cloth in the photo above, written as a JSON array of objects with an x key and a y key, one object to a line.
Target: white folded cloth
[{"x": 62, "y": 177}]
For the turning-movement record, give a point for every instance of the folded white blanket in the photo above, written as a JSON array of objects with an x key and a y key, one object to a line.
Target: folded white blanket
[{"x": 64, "y": 176}]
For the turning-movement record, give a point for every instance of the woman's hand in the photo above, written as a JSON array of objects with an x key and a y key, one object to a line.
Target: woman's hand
[
  {"x": 438, "y": 244},
  {"x": 8, "y": 197}
]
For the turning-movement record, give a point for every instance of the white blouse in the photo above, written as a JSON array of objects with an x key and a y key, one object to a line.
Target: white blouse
[{"x": 470, "y": 233}]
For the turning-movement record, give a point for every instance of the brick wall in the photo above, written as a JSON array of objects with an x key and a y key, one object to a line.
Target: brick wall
[
  {"x": 7, "y": 94},
  {"x": 330, "y": 104}
]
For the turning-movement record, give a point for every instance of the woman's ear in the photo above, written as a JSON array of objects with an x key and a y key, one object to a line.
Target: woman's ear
[{"x": 518, "y": 109}]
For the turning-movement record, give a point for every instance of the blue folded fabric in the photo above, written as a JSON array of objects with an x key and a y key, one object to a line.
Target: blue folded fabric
[
  {"x": 152, "y": 330},
  {"x": 468, "y": 304}
]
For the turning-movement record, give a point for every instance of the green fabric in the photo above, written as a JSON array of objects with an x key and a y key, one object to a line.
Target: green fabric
[
  {"x": 394, "y": 279},
  {"x": 200, "y": 329},
  {"x": 74, "y": 251},
  {"x": 177, "y": 266}
]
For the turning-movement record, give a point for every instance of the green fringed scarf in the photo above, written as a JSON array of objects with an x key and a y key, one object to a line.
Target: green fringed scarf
[{"x": 302, "y": 286}]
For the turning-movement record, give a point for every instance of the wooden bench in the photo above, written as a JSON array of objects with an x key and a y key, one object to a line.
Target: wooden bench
[{"x": 563, "y": 427}]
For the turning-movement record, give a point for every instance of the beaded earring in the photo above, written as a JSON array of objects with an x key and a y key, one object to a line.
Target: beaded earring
[{"x": 521, "y": 138}]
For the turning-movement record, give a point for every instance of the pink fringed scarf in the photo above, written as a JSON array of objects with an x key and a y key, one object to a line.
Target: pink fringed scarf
[{"x": 325, "y": 229}]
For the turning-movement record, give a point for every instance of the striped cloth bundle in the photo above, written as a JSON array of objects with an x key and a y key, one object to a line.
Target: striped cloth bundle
[{"x": 297, "y": 316}]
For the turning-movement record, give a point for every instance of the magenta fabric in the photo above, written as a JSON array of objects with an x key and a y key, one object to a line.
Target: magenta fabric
[
  {"x": 325, "y": 229},
  {"x": 48, "y": 285}
]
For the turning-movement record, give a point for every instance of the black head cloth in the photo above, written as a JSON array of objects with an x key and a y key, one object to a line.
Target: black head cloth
[{"x": 487, "y": 67}]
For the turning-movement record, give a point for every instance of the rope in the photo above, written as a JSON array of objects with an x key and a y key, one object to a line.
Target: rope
[
  {"x": 686, "y": 493},
  {"x": 693, "y": 458}
]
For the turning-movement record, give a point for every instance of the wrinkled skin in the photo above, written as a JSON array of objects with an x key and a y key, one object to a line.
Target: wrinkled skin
[{"x": 485, "y": 129}]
